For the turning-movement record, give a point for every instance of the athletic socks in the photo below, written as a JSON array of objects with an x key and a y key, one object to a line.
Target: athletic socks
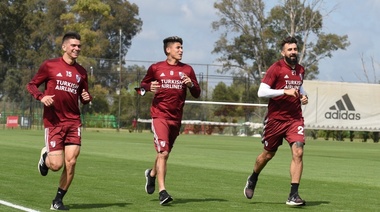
[
  {"x": 254, "y": 176},
  {"x": 60, "y": 194},
  {"x": 294, "y": 188}
]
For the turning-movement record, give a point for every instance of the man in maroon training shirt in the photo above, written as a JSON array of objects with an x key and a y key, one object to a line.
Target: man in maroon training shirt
[
  {"x": 282, "y": 84},
  {"x": 65, "y": 83},
  {"x": 169, "y": 80}
]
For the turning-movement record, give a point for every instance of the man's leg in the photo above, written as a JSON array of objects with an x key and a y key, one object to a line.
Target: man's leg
[
  {"x": 296, "y": 168},
  {"x": 296, "y": 165},
  {"x": 67, "y": 176},
  {"x": 55, "y": 160},
  {"x": 161, "y": 161},
  {"x": 261, "y": 162},
  {"x": 161, "y": 167}
]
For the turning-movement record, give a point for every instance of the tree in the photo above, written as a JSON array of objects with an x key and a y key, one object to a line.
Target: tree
[
  {"x": 368, "y": 76},
  {"x": 32, "y": 32},
  {"x": 250, "y": 43},
  {"x": 223, "y": 93},
  {"x": 99, "y": 103}
]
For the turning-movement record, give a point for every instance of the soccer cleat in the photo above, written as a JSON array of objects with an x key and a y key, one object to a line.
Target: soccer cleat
[
  {"x": 164, "y": 197},
  {"x": 58, "y": 205},
  {"x": 150, "y": 182},
  {"x": 295, "y": 200},
  {"x": 249, "y": 188},
  {"x": 42, "y": 168}
]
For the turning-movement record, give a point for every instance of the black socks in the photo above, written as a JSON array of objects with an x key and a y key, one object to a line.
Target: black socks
[
  {"x": 60, "y": 194},
  {"x": 254, "y": 176},
  {"x": 294, "y": 188}
]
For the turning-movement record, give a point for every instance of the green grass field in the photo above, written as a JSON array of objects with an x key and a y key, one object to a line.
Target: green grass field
[{"x": 205, "y": 173}]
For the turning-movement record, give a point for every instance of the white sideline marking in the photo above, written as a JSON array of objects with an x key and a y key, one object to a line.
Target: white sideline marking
[{"x": 17, "y": 206}]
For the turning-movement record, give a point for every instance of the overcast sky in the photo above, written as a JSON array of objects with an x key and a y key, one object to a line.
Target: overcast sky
[{"x": 191, "y": 20}]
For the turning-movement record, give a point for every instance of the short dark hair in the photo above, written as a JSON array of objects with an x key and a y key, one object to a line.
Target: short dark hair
[
  {"x": 288, "y": 40},
  {"x": 171, "y": 39},
  {"x": 70, "y": 35}
]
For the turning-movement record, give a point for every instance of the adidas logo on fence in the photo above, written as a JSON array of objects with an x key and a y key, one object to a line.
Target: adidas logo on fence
[{"x": 344, "y": 110}]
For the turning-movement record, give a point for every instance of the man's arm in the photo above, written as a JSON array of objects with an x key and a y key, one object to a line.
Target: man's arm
[
  {"x": 267, "y": 92},
  {"x": 36, "y": 81}
]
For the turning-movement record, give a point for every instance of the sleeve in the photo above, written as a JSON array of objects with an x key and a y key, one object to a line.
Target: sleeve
[
  {"x": 149, "y": 77},
  {"x": 302, "y": 91},
  {"x": 40, "y": 77},
  {"x": 266, "y": 91},
  {"x": 195, "y": 90},
  {"x": 84, "y": 86}
]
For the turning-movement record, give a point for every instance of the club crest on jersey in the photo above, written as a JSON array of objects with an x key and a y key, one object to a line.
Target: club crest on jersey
[
  {"x": 162, "y": 143},
  {"x": 52, "y": 143},
  {"x": 77, "y": 77},
  {"x": 181, "y": 75}
]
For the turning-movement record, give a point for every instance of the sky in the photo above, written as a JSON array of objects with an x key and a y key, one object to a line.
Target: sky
[{"x": 191, "y": 20}]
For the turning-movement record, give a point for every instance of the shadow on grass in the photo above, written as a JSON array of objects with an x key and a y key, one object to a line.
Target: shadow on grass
[
  {"x": 182, "y": 201},
  {"x": 308, "y": 203},
  {"x": 96, "y": 205}
]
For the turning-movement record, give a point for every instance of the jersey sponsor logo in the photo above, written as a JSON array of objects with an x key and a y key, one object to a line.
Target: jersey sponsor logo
[
  {"x": 296, "y": 84},
  {"x": 286, "y": 77},
  {"x": 63, "y": 85},
  {"x": 59, "y": 74},
  {"x": 343, "y": 110},
  {"x": 52, "y": 143},
  {"x": 162, "y": 75},
  {"x": 171, "y": 84}
]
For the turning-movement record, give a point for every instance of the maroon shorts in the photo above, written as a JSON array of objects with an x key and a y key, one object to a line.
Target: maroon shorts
[
  {"x": 56, "y": 138},
  {"x": 165, "y": 132},
  {"x": 276, "y": 130}
]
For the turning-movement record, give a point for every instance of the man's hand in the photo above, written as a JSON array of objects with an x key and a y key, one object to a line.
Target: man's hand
[
  {"x": 304, "y": 99},
  {"x": 85, "y": 95},
  {"x": 48, "y": 100},
  {"x": 291, "y": 92},
  {"x": 187, "y": 81},
  {"x": 154, "y": 86}
]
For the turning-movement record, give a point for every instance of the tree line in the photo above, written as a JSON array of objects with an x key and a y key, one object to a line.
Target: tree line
[{"x": 248, "y": 45}]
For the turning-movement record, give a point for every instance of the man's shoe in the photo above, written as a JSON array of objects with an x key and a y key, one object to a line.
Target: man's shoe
[
  {"x": 57, "y": 205},
  {"x": 42, "y": 168},
  {"x": 249, "y": 188},
  {"x": 295, "y": 200},
  {"x": 150, "y": 182},
  {"x": 164, "y": 197}
]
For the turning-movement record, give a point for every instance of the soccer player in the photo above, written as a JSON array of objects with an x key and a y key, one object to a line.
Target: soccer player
[
  {"x": 65, "y": 84},
  {"x": 282, "y": 84},
  {"x": 169, "y": 80}
]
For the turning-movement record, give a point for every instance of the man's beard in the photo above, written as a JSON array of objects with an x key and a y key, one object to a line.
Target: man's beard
[{"x": 291, "y": 61}]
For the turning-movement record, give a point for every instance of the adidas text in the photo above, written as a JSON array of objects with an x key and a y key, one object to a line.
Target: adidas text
[{"x": 344, "y": 115}]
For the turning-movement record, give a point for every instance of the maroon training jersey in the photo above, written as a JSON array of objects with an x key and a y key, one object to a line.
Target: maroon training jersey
[
  {"x": 282, "y": 76},
  {"x": 64, "y": 81},
  {"x": 169, "y": 100}
]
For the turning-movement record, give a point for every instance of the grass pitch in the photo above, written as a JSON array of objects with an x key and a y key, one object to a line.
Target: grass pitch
[{"x": 205, "y": 173}]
